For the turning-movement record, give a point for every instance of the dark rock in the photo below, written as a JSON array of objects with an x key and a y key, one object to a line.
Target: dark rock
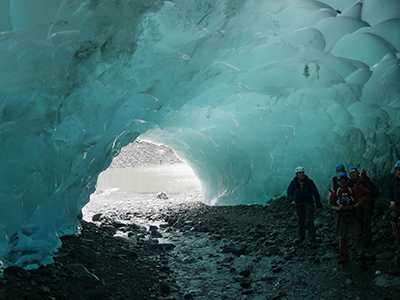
[
  {"x": 245, "y": 284},
  {"x": 166, "y": 246},
  {"x": 156, "y": 234},
  {"x": 237, "y": 249},
  {"x": 111, "y": 230},
  {"x": 43, "y": 290},
  {"x": 273, "y": 296},
  {"x": 164, "y": 225},
  {"x": 385, "y": 255},
  {"x": 273, "y": 250},
  {"x": 80, "y": 271},
  {"x": 245, "y": 273},
  {"x": 43, "y": 271},
  {"x": 153, "y": 228},
  {"x": 127, "y": 252},
  {"x": 277, "y": 269},
  {"x": 239, "y": 278},
  {"x": 287, "y": 255},
  {"x": 165, "y": 287},
  {"x": 178, "y": 224},
  {"x": 97, "y": 217},
  {"x": 266, "y": 277},
  {"x": 248, "y": 292},
  {"x": 15, "y": 271}
]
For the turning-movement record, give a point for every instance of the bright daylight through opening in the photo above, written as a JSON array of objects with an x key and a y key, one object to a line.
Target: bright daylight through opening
[
  {"x": 146, "y": 172},
  {"x": 157, "y": 169}
]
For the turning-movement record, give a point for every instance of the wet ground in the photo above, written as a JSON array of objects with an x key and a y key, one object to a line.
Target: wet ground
[{"x": 141, "y": 247}]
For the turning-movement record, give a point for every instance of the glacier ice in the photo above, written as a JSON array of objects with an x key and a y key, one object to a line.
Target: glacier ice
[{"x": 243, "y": 91}]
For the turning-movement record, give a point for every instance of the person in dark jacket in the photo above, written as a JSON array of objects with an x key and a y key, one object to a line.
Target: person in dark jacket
[
  {"x": 393, "y": 199},
  {"x": 302, "y": 192}
]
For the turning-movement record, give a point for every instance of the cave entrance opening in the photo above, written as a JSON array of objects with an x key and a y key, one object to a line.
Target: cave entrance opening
[
  {"x": 146, "y": 167},
  {"x": 135, "y": 179}
]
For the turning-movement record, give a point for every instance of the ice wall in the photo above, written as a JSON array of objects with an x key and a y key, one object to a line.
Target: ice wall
[{"x": 244, "y": 91}]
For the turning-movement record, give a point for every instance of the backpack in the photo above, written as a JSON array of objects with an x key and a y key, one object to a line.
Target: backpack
[{"x": 372, "y": 188}]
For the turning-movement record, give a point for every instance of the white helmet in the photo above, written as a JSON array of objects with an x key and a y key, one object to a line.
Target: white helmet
[{"x": 299, "y": 169}]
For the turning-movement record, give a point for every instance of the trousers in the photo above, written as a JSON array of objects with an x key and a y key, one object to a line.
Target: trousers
[
  {"x": 365, "y": 213},
  {"x": 306, "y": 220},
  {"x": 350, "y": 221}
]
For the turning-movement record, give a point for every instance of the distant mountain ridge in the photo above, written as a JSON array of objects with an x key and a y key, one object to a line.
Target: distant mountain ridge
[{"x": 142, "y": 153}]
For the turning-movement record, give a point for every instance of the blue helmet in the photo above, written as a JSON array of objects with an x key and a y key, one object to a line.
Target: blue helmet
[
  {"x": 353, "y": 168},
  {"x": 341, "y": 175},
  {"x": 397, "y": 165},
  {"x": 340, "y": 167}
]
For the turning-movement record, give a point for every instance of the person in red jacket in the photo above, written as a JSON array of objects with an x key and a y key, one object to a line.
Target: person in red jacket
[
  {"x": 345, "y": 201},
  {"x": 365, "y": 212}
]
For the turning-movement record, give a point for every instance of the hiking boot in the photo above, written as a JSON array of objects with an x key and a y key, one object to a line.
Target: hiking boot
[
  {"x": 361, "y": 262},
  {"x": 343, "y": 260},
  {"x": 314, "y": 245},
  {"x": 395, "y": 271}
]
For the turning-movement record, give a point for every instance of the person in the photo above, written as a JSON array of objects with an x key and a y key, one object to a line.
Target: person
[
  {"x": 365, "y": 212},
  {"x": 393, "y": 199},
  {"x": 345, "y": 201},
  {"x": 302, "y": 192},
  {"x": 339, "y": 169}
]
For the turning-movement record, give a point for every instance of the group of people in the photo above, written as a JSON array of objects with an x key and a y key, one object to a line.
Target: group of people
[{"x": 352, "y": 201}]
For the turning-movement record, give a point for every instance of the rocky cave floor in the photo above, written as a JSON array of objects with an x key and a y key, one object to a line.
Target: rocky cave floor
[
  {"x": 135, "y": 246},
  {"x": 179, "y": 248}
]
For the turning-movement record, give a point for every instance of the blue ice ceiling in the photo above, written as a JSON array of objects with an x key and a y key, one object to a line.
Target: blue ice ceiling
[{"x": 243, "y": 91}]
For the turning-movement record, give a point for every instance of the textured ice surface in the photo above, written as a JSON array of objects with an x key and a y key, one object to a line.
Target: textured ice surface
[{"x": 243, "y": 91}]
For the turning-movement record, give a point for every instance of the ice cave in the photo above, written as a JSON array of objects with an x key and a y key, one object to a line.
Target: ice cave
[{"x": 242, "y": 90}]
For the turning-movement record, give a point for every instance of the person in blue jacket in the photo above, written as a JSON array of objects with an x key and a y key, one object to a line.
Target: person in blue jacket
[
  {"x": 393, "y": 199},
  {"x": 302, "y": 193}
]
